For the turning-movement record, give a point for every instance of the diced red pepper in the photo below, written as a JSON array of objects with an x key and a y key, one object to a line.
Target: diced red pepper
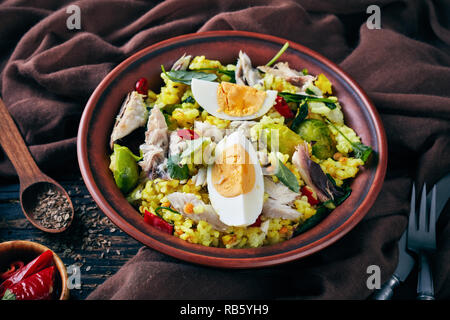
[
  {"x": 306, "y": 191},
  {"x": 41, "y": 262},
  {"x": 13, "y": 268},
  {"x": 158, "y": 222},
  {"x": 283, "y": 108},
  {"x": 187, "y": 134},
  {"x": 38, "y": 286},
  {"x": 142, "y": 86},
  {"x": 257, "y": 223}
]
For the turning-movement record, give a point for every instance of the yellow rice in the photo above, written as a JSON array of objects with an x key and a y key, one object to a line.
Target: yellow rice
[{"x": 153, "y": 194}]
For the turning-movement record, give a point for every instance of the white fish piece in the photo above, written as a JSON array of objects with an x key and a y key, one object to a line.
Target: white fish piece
[
  {"x": 157, "y": 131},
  {"x": 176, "y": 144},
  {"x": 132, "y": 115},
  {"x": 205, "y": 129},
  {"x": 245, "y": 74},
  {"x": 182, "y": 63},
  {"x": 313, "y": 175},
  {"x": 279, "y": 192},
  {"x": 282, "y": 70},
  {"x": 265, "y": 226},
  {"x": 200, "y": 178},
  {"x": 241, "y": 126},
  {"x": 274, "y": 209},
  {"x": 179, "y": 199},
  {"x": 302, "y": 161},
  {"x": 153, "y": 155},
  {"x": 162, "y": 171},
  {"x": 156, "y": 143}
]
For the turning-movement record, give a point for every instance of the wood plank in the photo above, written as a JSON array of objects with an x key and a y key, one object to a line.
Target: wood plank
[{"x": 92, "y": 242}]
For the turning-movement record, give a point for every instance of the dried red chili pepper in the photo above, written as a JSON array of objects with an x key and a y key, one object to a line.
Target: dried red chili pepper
[
  {"x": 187, "y": 134},
  {"x": 158, "y": 222},
  {"x": 142, "y": 86},
  {"x": 38, "y": 286},
  {"x": 13, "y": 268},
  {"x": 41, "y": 262},
  {"x": 283, "y": 108},
  {"x": 309, "y": 194}
]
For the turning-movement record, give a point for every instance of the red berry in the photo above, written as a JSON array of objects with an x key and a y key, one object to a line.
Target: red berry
[{"x": 142, "y": 86}]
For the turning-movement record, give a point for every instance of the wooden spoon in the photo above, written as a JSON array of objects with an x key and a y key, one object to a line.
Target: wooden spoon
[{"x": 33, "y": 182}]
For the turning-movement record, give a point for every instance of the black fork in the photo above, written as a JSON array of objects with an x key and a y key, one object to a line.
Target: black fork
[{"x": 422, "y": 240}]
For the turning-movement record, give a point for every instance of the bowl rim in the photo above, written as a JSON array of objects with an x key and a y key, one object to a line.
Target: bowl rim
[
  {"x": 56, "y": 259},
  {"x": 226, "y": 262}
]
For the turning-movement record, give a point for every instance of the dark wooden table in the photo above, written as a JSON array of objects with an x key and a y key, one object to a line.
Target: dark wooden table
[{"x": 92, "y": 242}]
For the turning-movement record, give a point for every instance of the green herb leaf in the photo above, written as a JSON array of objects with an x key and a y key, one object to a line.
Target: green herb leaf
[
  {"x": 360, "y": 150},
  {"x": 287, "y": 177},
  {"x": 175, "y": 170},
  {"x": 167, "y": 118},
  {"x": 183, "y": 76},
  {"x": 275, "y": 58},
  {"x": 229, "y": 73},
  {"x": 295, "y": 97},
  {"x": 348, "y": 192},
  {"x": 189, "y": 99},
  {"x": 309, "y": 91},
  {"x": 330, "y": 105},
  {"x": 169, "y": 108},
  {"x": 305, "y": 72},
  {"x": 300, "y": 117},
  {"x": 159, "y": 209},
  {"x": 321, "y": 213},
  {"x": 344, "y": 189}
]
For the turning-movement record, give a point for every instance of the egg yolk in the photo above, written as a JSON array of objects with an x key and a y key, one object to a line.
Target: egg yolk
[
  {"x": 238, "y": 100},
  {"x": 233, "y": 174}
]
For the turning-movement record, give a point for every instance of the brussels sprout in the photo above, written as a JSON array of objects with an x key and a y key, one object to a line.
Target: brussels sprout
[
  {"x": 317, "y": 131},
  {"x": 125, "y": 168}
]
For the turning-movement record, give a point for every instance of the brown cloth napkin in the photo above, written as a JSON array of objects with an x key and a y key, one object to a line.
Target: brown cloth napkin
[{"x": 48, "y": 73}]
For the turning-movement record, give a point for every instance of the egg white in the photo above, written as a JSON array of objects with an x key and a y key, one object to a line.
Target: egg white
[
  {"x": 205, "y": 93},
  {"x": 244, "y": 209}
]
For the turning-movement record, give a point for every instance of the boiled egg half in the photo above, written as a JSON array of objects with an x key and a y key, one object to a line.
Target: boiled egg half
[
  {"x": 235, "y": 181},
  {"x": 232, "y": 101}
]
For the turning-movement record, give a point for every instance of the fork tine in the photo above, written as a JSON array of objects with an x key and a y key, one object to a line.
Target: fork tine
[
  {"x": 423, "y": 209},
  {"x": 432, "y": 220},
  {"x": 412, "y": 211}
]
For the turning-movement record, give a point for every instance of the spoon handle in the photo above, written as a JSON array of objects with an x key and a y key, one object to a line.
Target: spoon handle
[{"x": 14, "y": 146}]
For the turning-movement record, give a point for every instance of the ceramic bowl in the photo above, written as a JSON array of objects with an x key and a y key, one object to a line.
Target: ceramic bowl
[
  {"x": 26, "y": 251},
  {"x": 100, "y": 112}
]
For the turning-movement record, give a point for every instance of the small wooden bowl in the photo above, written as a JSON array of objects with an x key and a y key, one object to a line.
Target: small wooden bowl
[{"x": 26, "y": 251}]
